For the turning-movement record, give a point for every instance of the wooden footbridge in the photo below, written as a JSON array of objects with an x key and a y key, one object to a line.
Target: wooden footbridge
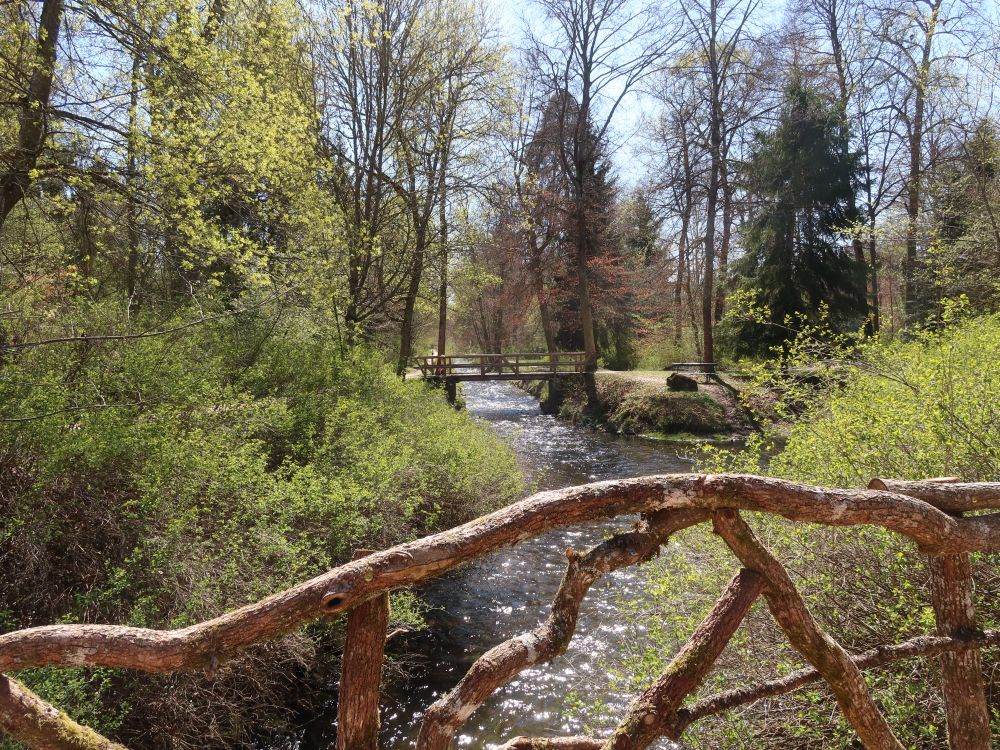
[{"x": 453, "y": 369}]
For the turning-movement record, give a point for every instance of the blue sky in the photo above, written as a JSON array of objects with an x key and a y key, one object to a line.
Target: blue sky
[{"x": 512, "y": 18}]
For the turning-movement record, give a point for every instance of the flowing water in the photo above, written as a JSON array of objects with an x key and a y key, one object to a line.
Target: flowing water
[{"x": 509, "y": 592}]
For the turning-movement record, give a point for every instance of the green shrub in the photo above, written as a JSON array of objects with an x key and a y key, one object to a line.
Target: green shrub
[
  {"x": 926, "y": 407},
  {"x": 179, "y": 477}
]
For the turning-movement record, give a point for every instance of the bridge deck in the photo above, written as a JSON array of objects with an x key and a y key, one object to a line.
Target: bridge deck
[{"x": 519, "y": 366}]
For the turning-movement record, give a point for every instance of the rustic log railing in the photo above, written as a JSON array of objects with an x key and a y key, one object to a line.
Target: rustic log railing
[
  {"x": 522, "y": 365},
  {"x": 928, "y": 513}
]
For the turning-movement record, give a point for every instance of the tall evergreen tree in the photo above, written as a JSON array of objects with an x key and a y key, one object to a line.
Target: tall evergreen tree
[{"x": 797, "y": 259}]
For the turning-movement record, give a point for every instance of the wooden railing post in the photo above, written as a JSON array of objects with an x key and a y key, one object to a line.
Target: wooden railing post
[
  {"x": 361, "y": 672},
  {"x": 966, "y": 710},
  {"x": 965, "y": 705},
  {"x": 649, "y": 715}
]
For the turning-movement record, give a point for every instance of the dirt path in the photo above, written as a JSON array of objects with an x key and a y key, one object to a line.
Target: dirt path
[{"x": 651, "y": 377}]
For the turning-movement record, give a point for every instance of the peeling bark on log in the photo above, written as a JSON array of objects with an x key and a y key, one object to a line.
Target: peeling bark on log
[
  {"x": 28, "y": 719},
  {"x": 649, "y": 713},
  {"x": 807, "y": 637},
  {"x": 945, "y": 493},
  {"x": 361, "y": 672},
  {"x": 503, "y": 662},
  {"x": 337, "y": 590}
]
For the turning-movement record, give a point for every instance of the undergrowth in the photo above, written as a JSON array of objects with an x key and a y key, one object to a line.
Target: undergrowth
[
  {"x": 179, "y": 477},
  {"x": 909, "y": 410}
]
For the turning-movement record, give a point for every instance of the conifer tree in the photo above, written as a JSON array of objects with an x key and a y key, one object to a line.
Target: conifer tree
[{"x": 797, "y": 259}]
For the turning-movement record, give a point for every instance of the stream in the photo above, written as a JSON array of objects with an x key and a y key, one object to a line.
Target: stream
[{"x": 509, "y": 592}]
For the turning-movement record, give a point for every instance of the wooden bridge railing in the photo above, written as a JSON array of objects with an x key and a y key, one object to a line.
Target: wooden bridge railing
[
  {"x": 499, "y": 366},
  {"x": 928, "y": 513}
]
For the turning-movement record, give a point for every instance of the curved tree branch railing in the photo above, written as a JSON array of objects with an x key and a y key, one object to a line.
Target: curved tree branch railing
[{"x": 929, "y": 513}]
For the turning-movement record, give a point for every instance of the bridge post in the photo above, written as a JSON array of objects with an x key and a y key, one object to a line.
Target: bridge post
[
  {"x": 966, "y": 710},
  {"x": 451, "y": 390},
  {"x": 361, "y": 672}
]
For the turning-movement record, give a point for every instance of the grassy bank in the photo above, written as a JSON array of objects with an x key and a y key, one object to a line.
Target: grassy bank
[
  {"x": 634, "y": 406},
  {"x": 225, "y": 464}
]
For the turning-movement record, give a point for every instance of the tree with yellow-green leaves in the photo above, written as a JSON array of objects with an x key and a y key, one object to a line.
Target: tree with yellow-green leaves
[
  {"x": 185, "y": 420},
  {"x": 404, "y": 87},
  {"x": 169, "y": 146}
]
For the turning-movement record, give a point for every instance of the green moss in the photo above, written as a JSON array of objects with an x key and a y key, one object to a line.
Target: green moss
[{"x": 666, "y": 412}]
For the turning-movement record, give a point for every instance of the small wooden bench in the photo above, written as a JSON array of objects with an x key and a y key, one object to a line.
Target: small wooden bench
[{"x": 706, "y": 369}]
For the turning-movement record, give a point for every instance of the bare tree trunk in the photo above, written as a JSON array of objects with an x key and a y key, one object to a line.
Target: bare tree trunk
[
  {"x": 583, "y": 281},
  {"x": 443, "y": 283},
  {"x": 708, "y": 274},
  {"x": 830, "y": 10},
  {"x": 132, "y": 264},
  {"x": 715, "y": 149},
  {"x": 875, "y": 302},
  {"x": 14, "y": 182},
  {"x": 583, "y": 292},
  {"x": 682, "y": 253},
  {"x": 546, "y": 316},
  {"x": 683, "y": 244},
  {"x": 913, "y": 214},
  {"x": 913, "y": 191},
  {"x": 406, "y": 328},
  {"x": 693, "y": 310},
  {"x": 727, "y": 228},
  {"x": 538, "y": 283}
]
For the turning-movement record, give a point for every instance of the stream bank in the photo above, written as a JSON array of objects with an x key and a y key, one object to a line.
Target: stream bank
[
  {"x": 509, "y": 592},
  {"x": 631, "y": 403}
]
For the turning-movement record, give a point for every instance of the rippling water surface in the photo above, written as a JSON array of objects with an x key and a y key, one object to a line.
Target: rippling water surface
[{"x": 509, "y": 592}]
